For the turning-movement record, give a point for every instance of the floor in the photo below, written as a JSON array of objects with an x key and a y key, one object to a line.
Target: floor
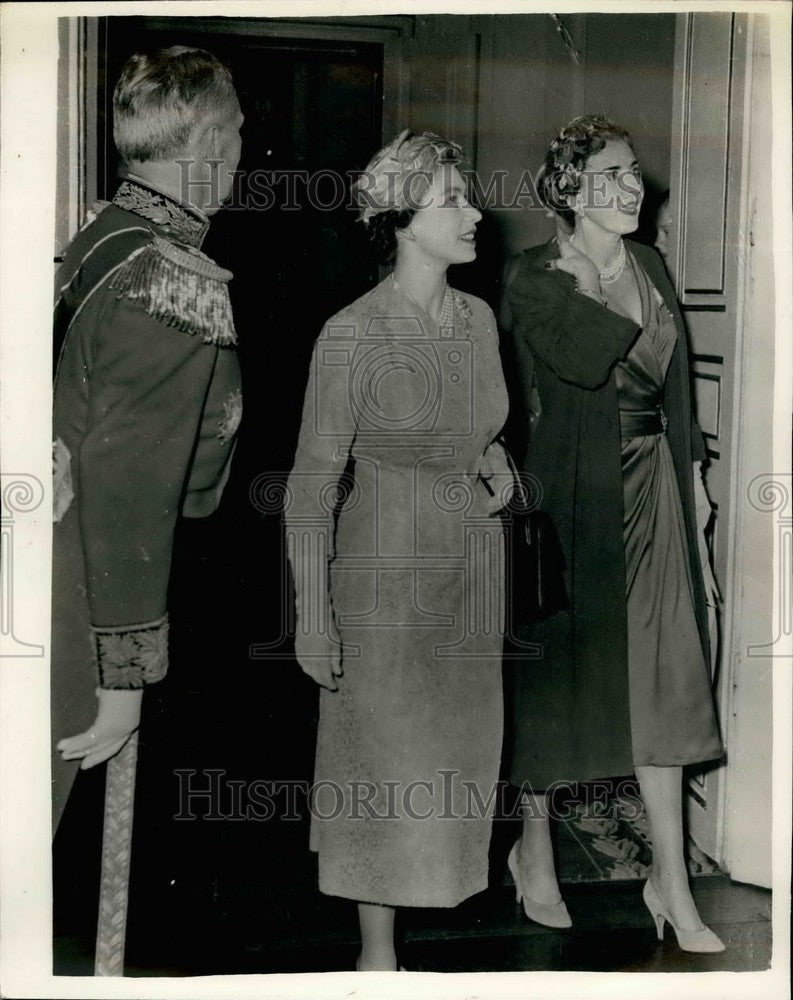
[
  {"x": 224, "y": 896},
  {"x": 234, "y": 916}
]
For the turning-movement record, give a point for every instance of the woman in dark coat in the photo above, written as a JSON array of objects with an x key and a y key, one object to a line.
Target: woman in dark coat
[{"x": 623, "y": 681}]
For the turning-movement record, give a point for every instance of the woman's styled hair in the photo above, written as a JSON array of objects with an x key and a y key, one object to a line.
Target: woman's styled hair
[
  {"x": 382, "y": 232},
  {"x": 559, "y": 178},
  {"x": 161, "y": 96},
  {"x": 393, "y": 183}
]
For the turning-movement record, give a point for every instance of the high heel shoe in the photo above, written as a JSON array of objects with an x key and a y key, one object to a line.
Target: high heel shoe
[
  {"x": 548, "y": 914},
  {"x": 703, "y": 941}
]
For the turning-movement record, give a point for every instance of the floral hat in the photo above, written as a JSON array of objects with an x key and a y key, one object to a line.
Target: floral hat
[
  {"x": 569, "y": 154},
  {"x": 397, "y": 177}
]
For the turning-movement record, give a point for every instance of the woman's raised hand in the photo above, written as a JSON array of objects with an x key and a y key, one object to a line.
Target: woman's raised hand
[{"x": 581, "y": 267}]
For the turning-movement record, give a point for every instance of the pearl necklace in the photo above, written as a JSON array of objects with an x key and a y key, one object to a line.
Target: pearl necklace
[
  {"x": 609, "y": 274},
  {"x": 447, "y": 306}
]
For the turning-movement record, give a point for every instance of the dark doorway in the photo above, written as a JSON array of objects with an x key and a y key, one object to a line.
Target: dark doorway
[{"x": 313, "y": 116}]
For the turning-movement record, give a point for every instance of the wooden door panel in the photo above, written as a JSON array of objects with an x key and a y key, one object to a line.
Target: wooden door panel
[
  {"x": 722, "y": 233},
  {"x": 705, "y": 186},
  {"x": 707, "y": 52}
]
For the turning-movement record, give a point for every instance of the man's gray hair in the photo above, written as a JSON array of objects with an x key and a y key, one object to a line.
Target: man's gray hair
[{"x": 162, "y": 96}]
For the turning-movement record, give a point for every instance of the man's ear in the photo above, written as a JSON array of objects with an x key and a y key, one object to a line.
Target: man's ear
[
  {"x": 204, "y": 142},
  {"x": 213, "y": 141}
]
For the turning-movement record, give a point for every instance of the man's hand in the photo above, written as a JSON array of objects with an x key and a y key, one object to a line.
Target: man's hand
[{"x": 117, "y": 718}]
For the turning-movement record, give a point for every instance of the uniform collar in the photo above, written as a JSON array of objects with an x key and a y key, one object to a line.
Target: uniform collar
[{"x": 182, "y": 222}]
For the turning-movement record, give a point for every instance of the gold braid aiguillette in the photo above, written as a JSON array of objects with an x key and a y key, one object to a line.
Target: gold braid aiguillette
[{"x": 180, "y": 287}]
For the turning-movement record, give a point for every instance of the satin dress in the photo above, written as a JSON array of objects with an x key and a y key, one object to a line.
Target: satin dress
[{"x": 671, "y": 705}]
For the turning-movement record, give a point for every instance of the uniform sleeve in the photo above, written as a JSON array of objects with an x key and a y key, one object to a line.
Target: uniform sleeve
[
  {"x": 317, "y": 484},
  {"x": 147, "y": 386},
  {"x": 574, "y": 336}
]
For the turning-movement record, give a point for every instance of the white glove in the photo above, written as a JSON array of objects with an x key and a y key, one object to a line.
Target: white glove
[
  {"x": 320, "y": 655},
  {"x": 117, "y": 718},
  {"x": 703, "y": 512}
]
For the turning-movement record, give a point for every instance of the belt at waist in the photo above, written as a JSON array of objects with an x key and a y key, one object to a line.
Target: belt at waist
[{"x": 641, "y": 423}]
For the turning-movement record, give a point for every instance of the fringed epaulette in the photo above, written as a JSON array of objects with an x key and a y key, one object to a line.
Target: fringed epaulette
[{"x": 180, "y": 287}]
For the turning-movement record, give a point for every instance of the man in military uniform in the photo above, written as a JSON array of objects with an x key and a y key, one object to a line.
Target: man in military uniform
[{"x": 147, "y": 396}]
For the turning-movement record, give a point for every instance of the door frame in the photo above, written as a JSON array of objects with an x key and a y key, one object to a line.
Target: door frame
[
  {"x": 390, "y": 31},
  {"x": 717, "y": 799}
]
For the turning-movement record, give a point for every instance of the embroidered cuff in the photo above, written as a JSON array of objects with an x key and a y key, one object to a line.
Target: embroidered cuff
[{"x": 131, "y": 656}]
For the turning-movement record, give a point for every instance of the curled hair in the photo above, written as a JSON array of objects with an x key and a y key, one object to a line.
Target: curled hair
[
  {"x": 161, "y": 96},
  {"x": 559, "y": 178},
  {"x": 382, "y": 229}
]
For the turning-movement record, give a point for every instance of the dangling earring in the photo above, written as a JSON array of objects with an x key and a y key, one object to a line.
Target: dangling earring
[
  {"x": 576, "y": 207},
  {"x": 406, "y": 234}
]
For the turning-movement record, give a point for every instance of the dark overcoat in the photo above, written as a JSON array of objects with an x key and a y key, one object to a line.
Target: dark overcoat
[{"x": 570, "y": 708}]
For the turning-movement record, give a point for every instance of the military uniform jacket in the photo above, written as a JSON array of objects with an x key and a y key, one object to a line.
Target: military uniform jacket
[{"x": 146, "y": 406}]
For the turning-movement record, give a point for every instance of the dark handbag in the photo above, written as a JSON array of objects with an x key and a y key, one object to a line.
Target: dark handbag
[{"x": 536, "y": 586}]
